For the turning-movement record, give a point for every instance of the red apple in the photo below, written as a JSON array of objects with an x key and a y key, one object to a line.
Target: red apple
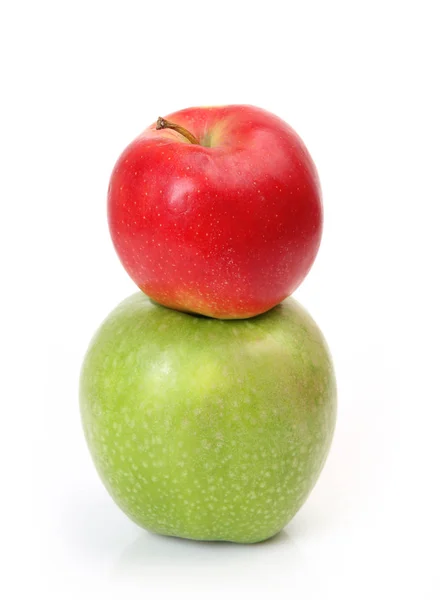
[{"x": 216, "y": 210}]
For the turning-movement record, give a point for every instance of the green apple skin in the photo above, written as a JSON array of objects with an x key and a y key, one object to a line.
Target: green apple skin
[{"x": 208, "y": 429}]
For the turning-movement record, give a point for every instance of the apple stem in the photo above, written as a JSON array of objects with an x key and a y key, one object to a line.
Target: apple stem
[{"x": 162, "y": 123}]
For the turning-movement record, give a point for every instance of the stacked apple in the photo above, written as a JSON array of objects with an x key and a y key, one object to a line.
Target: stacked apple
[{"x": 208, "y": 399}]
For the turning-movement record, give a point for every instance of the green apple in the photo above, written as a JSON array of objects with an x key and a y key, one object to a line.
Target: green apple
[{"x": 208, "y": 429}]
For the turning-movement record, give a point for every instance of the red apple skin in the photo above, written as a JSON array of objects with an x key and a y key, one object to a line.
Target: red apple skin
[{"x": 226, "y": 228}]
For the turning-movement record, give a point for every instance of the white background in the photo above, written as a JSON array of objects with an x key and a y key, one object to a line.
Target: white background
[{"x": 359, "y": 82}]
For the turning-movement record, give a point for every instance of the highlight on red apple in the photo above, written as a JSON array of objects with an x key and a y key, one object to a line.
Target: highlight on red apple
[{"x": 216, "y": 211}]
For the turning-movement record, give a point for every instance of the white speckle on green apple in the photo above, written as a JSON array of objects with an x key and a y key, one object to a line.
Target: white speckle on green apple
[{"x": 208, "y": 429}]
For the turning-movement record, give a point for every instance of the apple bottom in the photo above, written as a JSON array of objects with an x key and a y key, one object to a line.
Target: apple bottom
[
  {"x": 208, "y": 429},
  {"x": 216, "y": 307}
]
